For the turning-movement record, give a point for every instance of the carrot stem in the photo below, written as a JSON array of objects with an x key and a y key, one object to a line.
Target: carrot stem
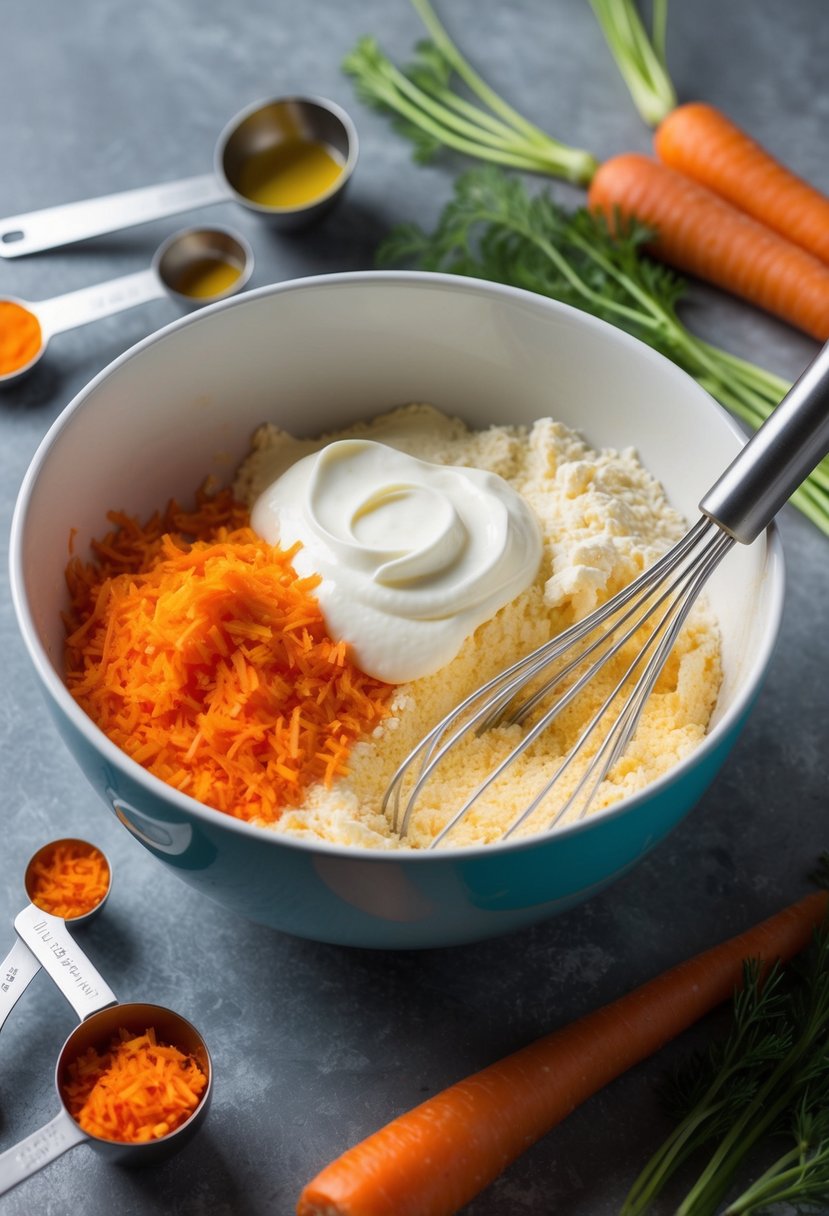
[
  {"x": 472, "y": 79},
  {"x": 640, "y": 59},
  {"x": 477, "y": 130},
  {"x": 433, "y": 1159},
  {"x": 383, "y": 84}
]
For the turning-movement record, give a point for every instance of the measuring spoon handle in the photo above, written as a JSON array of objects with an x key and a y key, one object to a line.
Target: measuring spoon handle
[
  {"x": 101, "y": 300},
  {"x": 55, "y": 226},
  {"x": 63, "y": 960},
  {"x": 17, "y": 971},
  {"x": 32, "y": 1153}
]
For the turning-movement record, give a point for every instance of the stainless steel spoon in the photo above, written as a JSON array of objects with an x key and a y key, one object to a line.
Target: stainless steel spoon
[
  {"x": 46, "y": 941},
  {"x": 174, "y": 262},
  {"x": 261, "y": 126},
  {"x": 63, "y": 1132}
]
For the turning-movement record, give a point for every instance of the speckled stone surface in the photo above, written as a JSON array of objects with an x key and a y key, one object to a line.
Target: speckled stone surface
[{"x": 315, "y": 1046}]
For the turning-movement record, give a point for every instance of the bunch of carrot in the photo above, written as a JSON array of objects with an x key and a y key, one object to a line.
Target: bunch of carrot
[
  {"x": 721, "y": 206},
  {"x": 725, "y": 210}
]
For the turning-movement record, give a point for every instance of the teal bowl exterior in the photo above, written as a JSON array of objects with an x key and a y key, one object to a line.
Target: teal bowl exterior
[
  {"x": 430, "y": 337},
  {"x": 387, "y": 901}
]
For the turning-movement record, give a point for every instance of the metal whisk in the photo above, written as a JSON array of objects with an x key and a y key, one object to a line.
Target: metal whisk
[{"x": 738, "y": 507}]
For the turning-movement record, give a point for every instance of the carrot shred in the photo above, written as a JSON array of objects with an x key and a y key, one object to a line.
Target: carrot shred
[
  {"x": 435, "y": 1158},
  {"x": 68, "y": 879},
  {"x": 137, "y": 1090},
  {"x": 701, "y": 142},
  {"x": 700, "y": 233},
  {"x": 192, "y": 643}
]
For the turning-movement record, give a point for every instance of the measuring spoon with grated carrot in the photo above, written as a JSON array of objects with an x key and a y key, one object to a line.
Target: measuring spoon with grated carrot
[
  {"x": 134, "y": 1081},
  {"x": 68, "y": 882}
]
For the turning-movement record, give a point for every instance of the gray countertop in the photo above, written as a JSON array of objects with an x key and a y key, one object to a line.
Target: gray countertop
[{"x": 315, "y": 1046}]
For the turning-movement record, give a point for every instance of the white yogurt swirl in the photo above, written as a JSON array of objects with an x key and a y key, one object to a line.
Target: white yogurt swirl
[{"x": 412, "y": 556}]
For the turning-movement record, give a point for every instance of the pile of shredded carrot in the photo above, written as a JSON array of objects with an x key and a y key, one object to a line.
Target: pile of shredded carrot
[
  {"x": 136, "y": 1091},
  {"x": 68, "y": 879},
  {"x": 198, "y": 650}
]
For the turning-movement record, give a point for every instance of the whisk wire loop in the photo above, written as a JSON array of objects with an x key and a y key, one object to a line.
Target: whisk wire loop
[
  {"x": 492, "y": 697},
  {"x": 679, "y": 573},
  {"x": 640, "y": 590},
  {"x": 662, "y": 641}
]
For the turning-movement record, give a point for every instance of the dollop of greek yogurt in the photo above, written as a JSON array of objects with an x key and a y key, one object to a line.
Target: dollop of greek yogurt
[{"x": 412, "y": 556}]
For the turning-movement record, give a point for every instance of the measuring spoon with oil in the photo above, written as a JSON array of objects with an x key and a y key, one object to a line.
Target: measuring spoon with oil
[
  {"x": 286, "y": 160},
  {"x": 194, "y": 267},
  {"x": 44, "y": 940}
]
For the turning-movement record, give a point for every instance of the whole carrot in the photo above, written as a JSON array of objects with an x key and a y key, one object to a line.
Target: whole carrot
[
  {"x": 701, "y": 142},
  {"x": 435, "y": 1158},
  {"x": 702, "y": 234}
]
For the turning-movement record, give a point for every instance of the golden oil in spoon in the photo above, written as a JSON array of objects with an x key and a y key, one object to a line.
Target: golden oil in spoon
[{"x": 289, "y": 174}]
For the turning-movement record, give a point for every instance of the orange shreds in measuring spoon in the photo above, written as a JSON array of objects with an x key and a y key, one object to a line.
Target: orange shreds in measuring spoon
[
  {"x": 68, "y": 879},
  {"x": 138, "y": 1090},
  {"x": 199, "y": 651}
]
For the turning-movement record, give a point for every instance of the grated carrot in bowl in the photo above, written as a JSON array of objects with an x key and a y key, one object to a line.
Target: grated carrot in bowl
[
  {"x": 137, "y": 1090},
  {"x": 198, "y": 650},
  {"x": 68, "y": 878}
]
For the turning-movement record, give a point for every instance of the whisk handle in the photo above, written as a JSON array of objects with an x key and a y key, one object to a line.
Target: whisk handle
[{"x": 777, "y": 458}]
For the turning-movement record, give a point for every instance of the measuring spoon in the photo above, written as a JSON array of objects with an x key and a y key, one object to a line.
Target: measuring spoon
[
  {"x": 22, "y": 964},
  {"x": 255, "y": 131},
  {"x": 63, "y": 1132},
  {"x": 185, "y": 267}
]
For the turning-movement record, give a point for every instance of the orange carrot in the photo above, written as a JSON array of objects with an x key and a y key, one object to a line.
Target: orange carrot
[
  {"x": 435, "y": 1158},
  {"x": 137, "y": 1090},
  {"x": 702, "y": 234},
  {"x": 699, "y": 141}
]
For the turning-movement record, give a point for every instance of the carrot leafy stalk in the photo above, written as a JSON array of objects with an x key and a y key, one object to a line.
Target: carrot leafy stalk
[
  {"x": 433, "y": 113},
  {"x": 435, "y": 1158},
  {"x": 773, "y": 1070},
  {"x": 494, "y": 229},
  {"x": 707, "y": 1090},
  {"x": 639, "y": 56},
  {"x": 799, "y": 1176}
]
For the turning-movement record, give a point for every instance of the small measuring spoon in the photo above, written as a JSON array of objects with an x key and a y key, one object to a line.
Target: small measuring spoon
[
  {"x": 63, "y": 1132},
  {"x": 255, "y": 130},
  {"x": 22, "y": 964},
  {"x": 183, "y": 268}
]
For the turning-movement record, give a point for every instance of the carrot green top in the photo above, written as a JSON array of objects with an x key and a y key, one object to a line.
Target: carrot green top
[
  {"x": 197, "y": 649},
  {"x": 138, "y": 1090}
]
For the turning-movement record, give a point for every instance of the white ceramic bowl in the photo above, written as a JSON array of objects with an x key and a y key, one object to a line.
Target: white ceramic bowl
[{"x": 313, "y": 355}]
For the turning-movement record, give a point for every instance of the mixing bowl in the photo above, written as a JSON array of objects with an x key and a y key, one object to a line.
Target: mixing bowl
[{"x": 316, "y": 354}]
